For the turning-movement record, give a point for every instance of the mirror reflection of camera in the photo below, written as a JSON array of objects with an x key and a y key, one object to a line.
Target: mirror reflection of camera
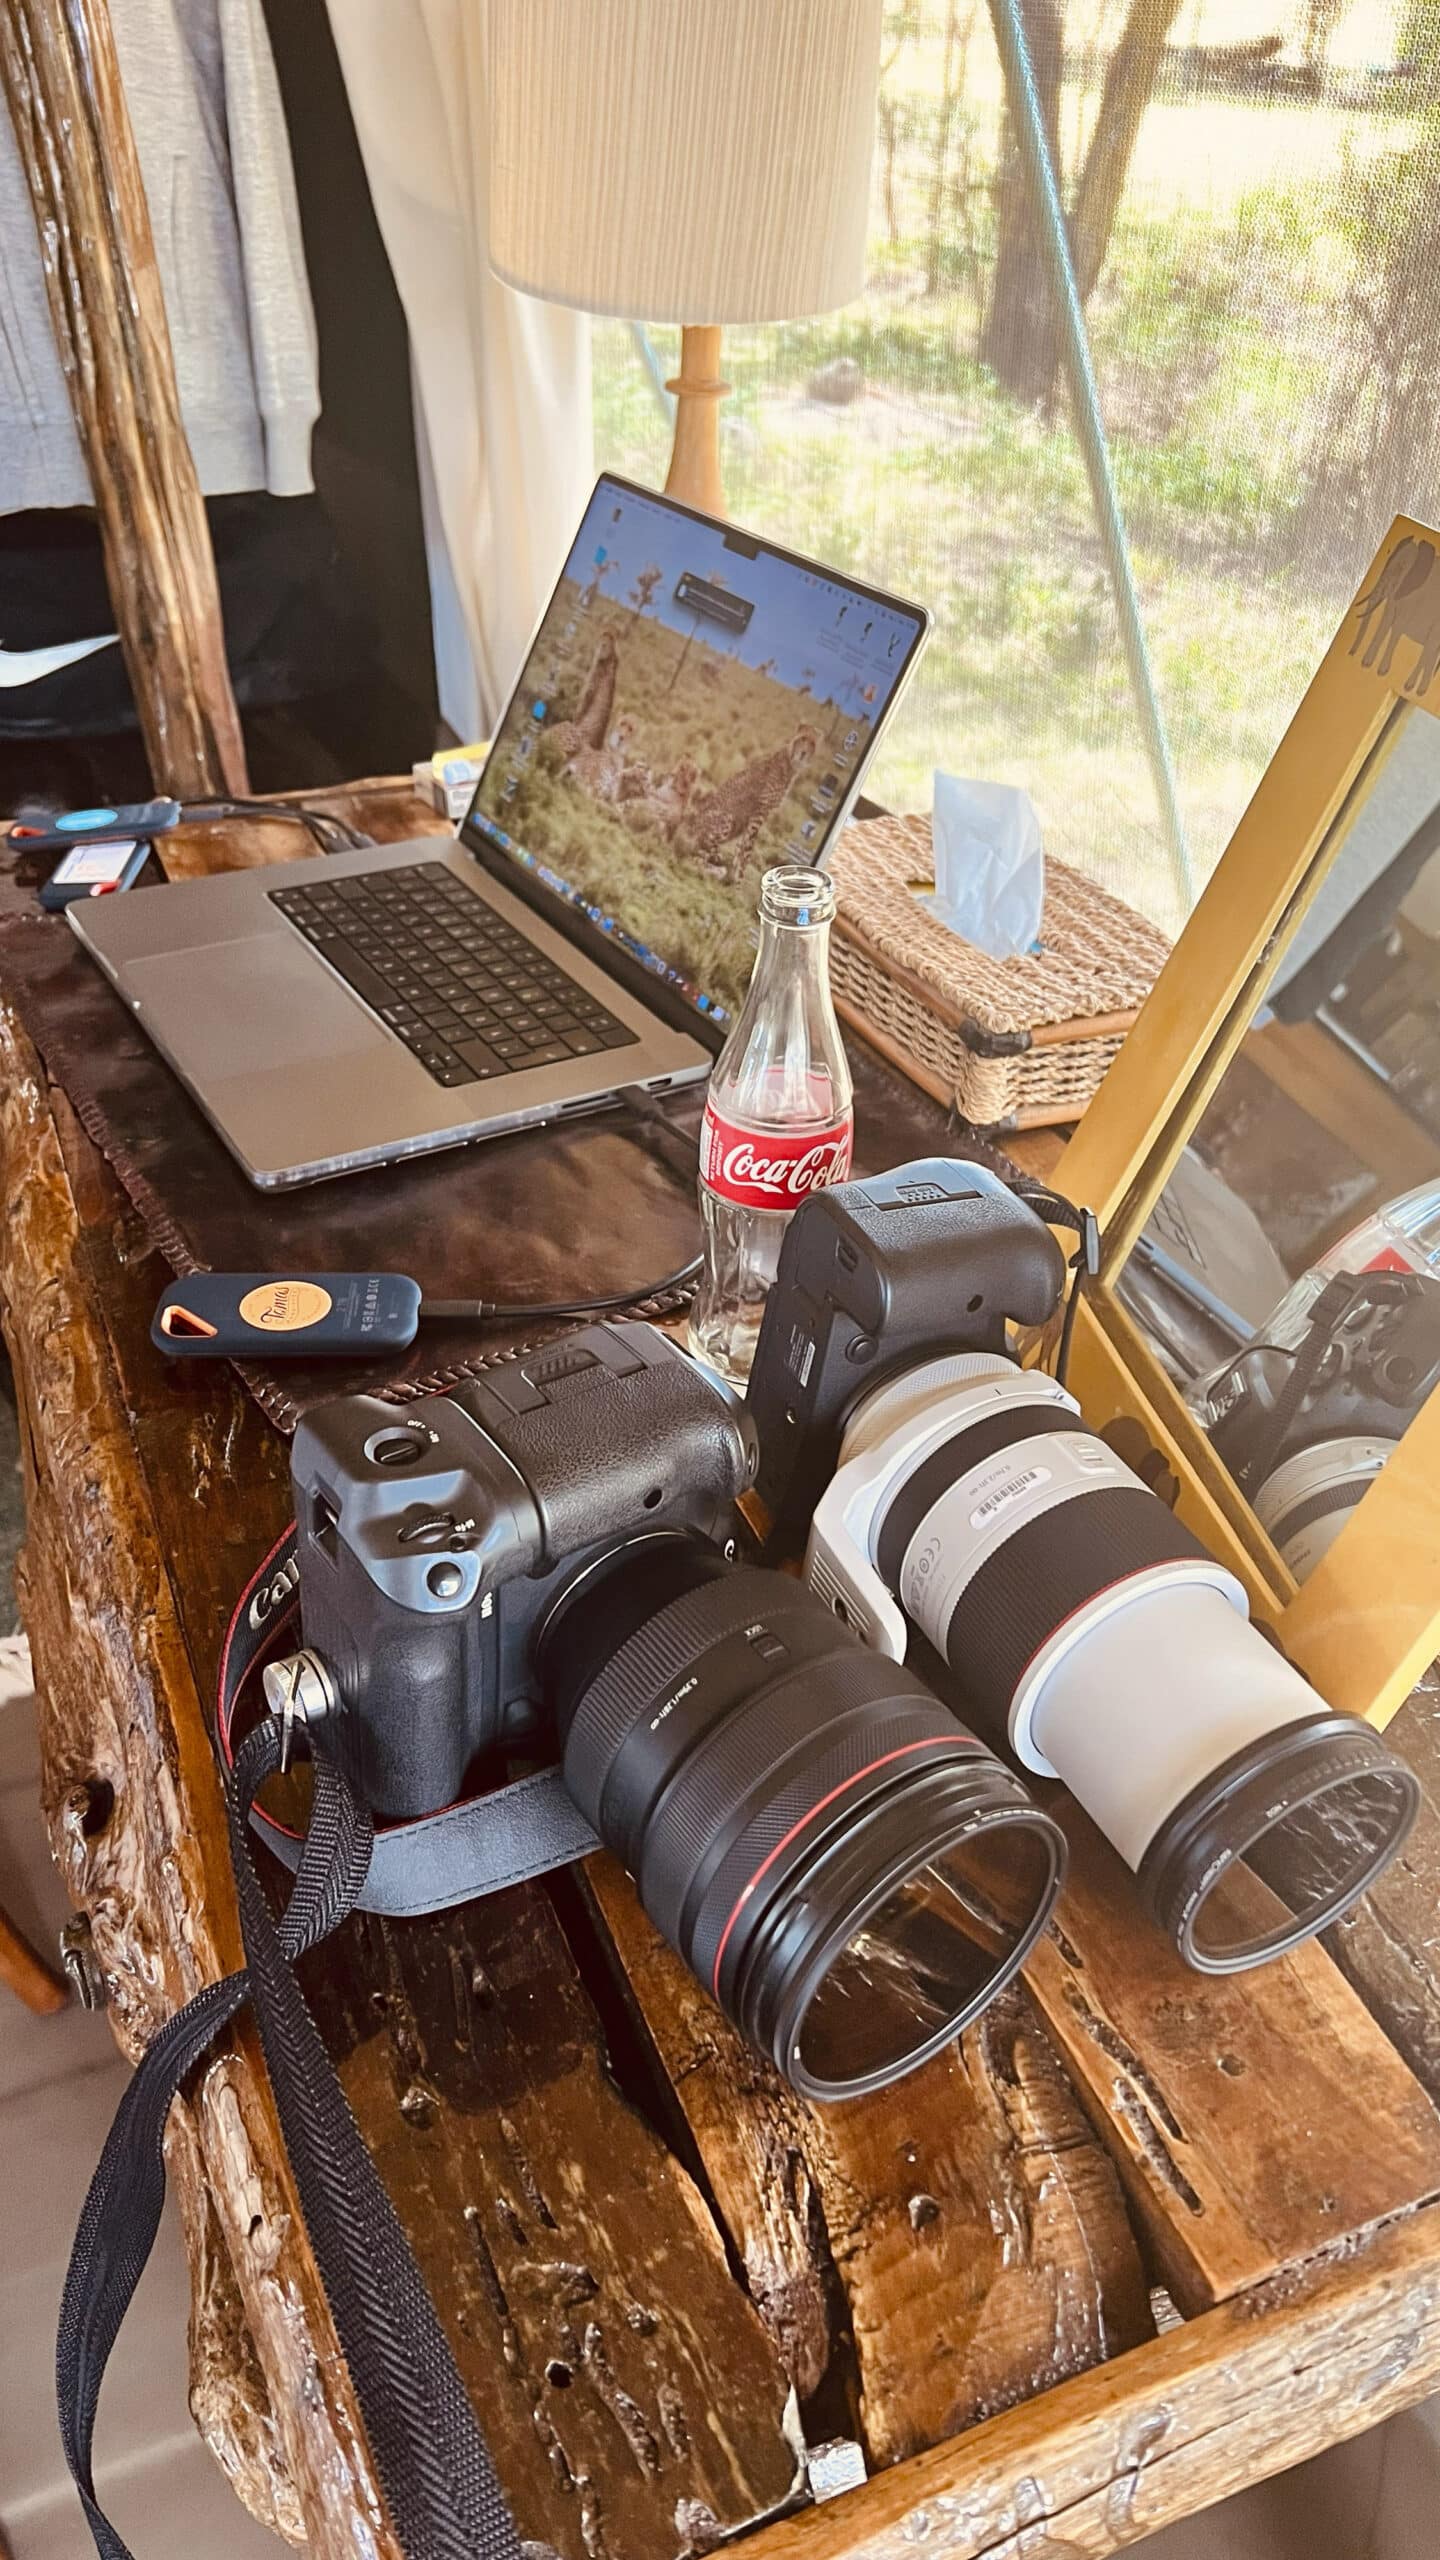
[
  {"x": 965, "y": 1516},
  {"x": 1305, "y": 1427},
  {"x": 546, "y": 1562}
]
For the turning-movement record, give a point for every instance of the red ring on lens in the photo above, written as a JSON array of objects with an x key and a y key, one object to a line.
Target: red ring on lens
[{"x": 928, "y": 1742}]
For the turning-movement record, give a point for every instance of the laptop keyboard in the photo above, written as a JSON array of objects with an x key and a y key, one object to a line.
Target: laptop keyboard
[{"x": 470, "y": 997}]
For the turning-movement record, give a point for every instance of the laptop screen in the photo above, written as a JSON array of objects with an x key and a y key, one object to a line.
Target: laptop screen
[{"x": 696, "y": 706}]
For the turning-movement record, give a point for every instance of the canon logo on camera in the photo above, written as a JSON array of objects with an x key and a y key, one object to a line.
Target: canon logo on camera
[
  {"x": 275, "y": 1593},
  {"x": 777, "y": 1169}
]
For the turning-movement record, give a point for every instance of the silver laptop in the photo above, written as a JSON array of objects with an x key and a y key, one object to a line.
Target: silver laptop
[{"x": 695, "y": 705}]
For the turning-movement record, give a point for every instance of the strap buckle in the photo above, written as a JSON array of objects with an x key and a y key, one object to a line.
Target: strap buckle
[{"x": 298, "y": 1689}]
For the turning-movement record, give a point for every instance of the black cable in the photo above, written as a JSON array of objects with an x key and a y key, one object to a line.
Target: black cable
[
  {"x": 332, "y": 834},
  {"x": 1067, "y": 1323},
  {"x": 1057, "y": 1211},
  {"x": 488, "y": 1311},
  {"x": 1304, "y": 1370},
  {"x": 672, "y": 1149},
  {"x": 1342, "y": 1296},
  {"x": 647, "y": 1108}
]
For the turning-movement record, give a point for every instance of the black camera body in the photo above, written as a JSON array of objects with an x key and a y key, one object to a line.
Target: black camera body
[
  {"x": 432, "y": 1540},
  {"x": 931, "y": 1259},
  {"x": 547, "y": 1559},
  {"x": 1369, "y": 1360}
]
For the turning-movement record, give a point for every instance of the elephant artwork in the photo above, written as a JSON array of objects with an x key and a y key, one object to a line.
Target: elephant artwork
[{"x": 1406, "y": 598}]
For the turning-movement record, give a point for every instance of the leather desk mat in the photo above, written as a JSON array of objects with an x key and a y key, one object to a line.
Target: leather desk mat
[{"x": 575, "y": 1209}]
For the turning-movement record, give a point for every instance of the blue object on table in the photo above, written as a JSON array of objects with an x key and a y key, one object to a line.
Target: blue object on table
[{"x": 144, "y": 818}]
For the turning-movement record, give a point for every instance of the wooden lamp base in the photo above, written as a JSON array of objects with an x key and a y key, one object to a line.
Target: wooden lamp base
[{"x": 694, "y": 474}]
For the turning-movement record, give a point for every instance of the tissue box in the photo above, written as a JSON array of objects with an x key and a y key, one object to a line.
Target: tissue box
[
  {"x": 448, "y": 778},
  {"x": 1011, "y": 1044}
]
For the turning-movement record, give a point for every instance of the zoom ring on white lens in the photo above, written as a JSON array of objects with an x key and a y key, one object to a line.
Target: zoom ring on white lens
[
  {"x": 1006, "y": 1545},
  {"x": 892, "y": 1436}
]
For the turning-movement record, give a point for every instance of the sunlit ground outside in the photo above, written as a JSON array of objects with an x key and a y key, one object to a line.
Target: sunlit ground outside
[{"x": 1258, "y": 332}]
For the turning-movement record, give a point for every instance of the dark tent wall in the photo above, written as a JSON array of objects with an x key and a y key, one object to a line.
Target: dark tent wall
[{"x": 325, "y": 597}]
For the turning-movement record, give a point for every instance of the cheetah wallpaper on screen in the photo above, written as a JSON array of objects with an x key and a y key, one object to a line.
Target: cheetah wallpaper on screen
[{"x": 687, "y": 717}]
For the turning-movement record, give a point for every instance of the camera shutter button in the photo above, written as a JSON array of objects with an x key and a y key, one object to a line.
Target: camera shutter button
[{"x": 444, "y": 1580}]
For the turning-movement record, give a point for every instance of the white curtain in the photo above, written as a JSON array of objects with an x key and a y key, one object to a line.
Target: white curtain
[{"x": 503, "y": 382}]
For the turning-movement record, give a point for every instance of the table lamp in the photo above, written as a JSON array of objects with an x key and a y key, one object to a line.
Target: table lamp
[{"x": 704, "y": 161}]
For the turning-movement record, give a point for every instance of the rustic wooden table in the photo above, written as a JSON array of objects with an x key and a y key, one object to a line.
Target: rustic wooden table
[{"x": 1138, "y": 2239}]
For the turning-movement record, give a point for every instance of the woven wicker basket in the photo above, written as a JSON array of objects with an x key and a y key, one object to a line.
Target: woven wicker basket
[{"x": 1012, "y": 1044}]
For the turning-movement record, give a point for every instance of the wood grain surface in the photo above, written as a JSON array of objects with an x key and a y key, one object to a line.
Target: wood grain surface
[
  {"x": 961, "y": 2238},
  {"x": 1240, "y": 2108},
  {"x": 1250, "y": 2389},
  {"x": 388, "y": 809},
  {"x": 631, "y": 2391},
  {"x": 637, "y": 2236},
  {"x": 62, "y": 82},
  {"x": 131, "y": 1800},
  {"x": 1389, "y": 1945}
]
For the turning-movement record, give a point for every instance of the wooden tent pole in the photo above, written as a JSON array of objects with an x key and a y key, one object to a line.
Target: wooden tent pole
[{"x": 60, "y": 76}]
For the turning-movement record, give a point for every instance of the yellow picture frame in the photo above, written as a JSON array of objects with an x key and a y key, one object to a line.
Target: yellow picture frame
[{"x": 1367, "y": 1621}]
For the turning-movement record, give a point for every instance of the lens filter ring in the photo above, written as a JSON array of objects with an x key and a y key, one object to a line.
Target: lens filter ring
[
  {"x": 1277, "y": 1842},
  {"x": 886, "y": 1933},
  {"x": 849, "y": 1870}
]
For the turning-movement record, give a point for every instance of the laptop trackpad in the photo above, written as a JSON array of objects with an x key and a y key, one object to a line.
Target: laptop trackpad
[{"x": 236, "y": 1008}]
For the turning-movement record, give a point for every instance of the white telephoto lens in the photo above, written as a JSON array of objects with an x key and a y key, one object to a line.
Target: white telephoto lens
[
  {"x": 1305, "y": 1504},
  {"x": 1167, "y": 1682},
  {"x": 1087, "y": 1628}
]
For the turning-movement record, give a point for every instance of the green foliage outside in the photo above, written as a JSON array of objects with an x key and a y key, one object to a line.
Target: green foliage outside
[{"x": 1264, "y": 333}]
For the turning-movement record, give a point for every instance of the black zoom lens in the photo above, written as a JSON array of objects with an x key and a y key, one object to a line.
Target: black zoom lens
[{"x": 848, "y": 1870}]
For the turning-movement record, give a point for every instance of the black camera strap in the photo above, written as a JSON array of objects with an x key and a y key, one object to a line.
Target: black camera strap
[{"x": 432, "y": 2461}]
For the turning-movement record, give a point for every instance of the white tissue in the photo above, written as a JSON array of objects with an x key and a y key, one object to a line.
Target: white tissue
[{"x": 989, "y": 865}]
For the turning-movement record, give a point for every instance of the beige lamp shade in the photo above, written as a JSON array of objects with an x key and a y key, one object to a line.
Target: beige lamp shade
[{"x": 694, "y": 160}]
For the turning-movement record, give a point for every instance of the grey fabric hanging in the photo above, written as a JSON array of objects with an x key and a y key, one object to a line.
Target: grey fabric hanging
[{"x": 205, "y": 107}]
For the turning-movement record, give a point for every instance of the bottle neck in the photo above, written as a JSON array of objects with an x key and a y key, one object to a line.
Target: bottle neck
[
  {"x": 785, "y": 1062},
  {"x": 796, "y": 909},
  {"x": 794, "y": 897},
  {"x": 798, "y": 950}
]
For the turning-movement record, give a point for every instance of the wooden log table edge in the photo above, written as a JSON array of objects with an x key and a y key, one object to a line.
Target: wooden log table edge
[
  {"x": 130, "y": 1793},
  {"x": 1277, "y": 2372},
  {"x": 1212, "y": 2406}
]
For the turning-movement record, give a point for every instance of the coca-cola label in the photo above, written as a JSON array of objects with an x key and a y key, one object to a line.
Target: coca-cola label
[{"x": 772, "y": 1168}]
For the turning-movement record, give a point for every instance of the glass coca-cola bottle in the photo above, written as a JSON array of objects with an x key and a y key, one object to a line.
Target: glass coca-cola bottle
[{"x": 778, "y": 1118}]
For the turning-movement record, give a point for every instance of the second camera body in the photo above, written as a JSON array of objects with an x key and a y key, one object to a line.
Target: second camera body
[
  {"x": 1305, "y": 1427},
  {"x": 935, "y": 1256},
  {"x": 968, "y": 1519}
]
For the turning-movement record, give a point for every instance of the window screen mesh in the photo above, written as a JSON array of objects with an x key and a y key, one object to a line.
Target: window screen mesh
[{"x": 1266, "y": 284}]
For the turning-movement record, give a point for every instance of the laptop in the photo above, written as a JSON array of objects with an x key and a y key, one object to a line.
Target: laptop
[{"x": 696, "y": 705}]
